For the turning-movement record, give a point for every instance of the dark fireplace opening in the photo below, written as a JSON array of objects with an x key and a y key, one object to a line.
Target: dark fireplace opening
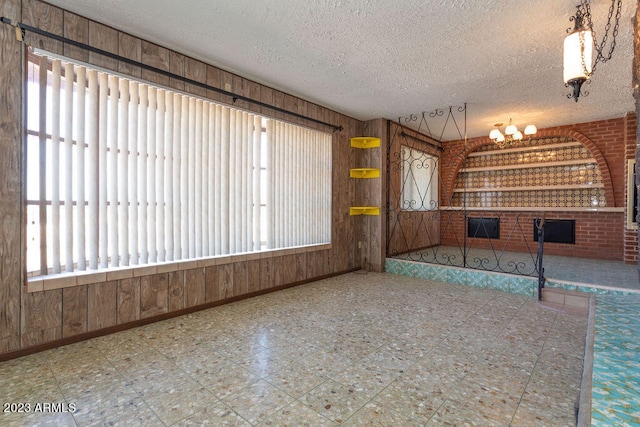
[
  {"x": 483, "y": 228},
  {"x": 557, "y": 231}
]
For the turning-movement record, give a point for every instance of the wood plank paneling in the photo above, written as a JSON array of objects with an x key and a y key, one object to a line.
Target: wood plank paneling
[
  {"x": 128, "y": 308},
  {"x": 194, "y": 287},
  {"x": 129, "y": 47},
  {"x": 266, "y": 273},
  {"x": 291, "y": 104},
  {"x": 329, "y": 263},
  {"x": 11, "y": 250},
  {"x": 41, "y": 310},
  {"x": 211, "y": 283},
  {"x": 253, "y": 275},
  {"x": 195, "y": 70},
  {"x": 213, "y": 80},
  {"x": 287, "y": 268},
  {"x": 240, "y": 278},
  {"x": 9, "y": 343},
  {"x": 224, "y": 281},
  {"x": 176, "y": 66},
  {"x": 176, "y": 290},
  {"x": 104, "y": 38},
  {"x": 154, "y": 295},
  {"x": 102, "y": 303},
  {"x": 254, "y": 93},
  {"x": 241, "y": 86},
  {"x": 158, "y": 57},
  {"x": 278, "y": 101},
  {"x": 301, "y": 267},
  {"x": 310, "y": 260},
  {"x": 30, "y": 339},
  {"x": 51, "y": 334},
  {"x": 74, "y": 310},
  {"x": 226, "y": 83},
  {"x": 76, "y": 28},
  {"x": 266, "y": 96},
  {"x": 41, "y": 15},
  {"x": 312, "y": 110},
  {"x": 279, "y": 270},
  {"x": 370, "y": 192}
]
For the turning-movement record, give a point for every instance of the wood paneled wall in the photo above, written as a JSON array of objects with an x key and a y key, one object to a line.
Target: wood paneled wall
[
  {"x": 11, "y": 212},
  {"x": 30, "y": 319},
  {"x": 371, "y": 241}
]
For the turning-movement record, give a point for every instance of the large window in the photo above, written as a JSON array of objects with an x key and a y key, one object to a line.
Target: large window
[
  {"x": 122, "y": 172},
  {"x": 419, "y": 180}
]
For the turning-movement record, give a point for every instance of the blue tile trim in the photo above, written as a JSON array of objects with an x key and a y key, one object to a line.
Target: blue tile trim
[{"x": 463, "y": 276}]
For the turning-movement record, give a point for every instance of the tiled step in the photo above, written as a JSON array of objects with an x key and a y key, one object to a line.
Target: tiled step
[
  {"x": 570, "y": 302},
  {"x": 564, "y": 297}
]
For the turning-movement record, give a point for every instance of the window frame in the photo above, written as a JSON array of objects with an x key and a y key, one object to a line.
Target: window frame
[{"x": 32, "y": 131}]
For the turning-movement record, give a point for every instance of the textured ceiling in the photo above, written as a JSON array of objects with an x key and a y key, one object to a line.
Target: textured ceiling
[{"x": 393, "y": 58}]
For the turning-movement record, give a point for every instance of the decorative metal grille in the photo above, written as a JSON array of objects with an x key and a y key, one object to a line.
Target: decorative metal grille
[{"x": 431, "y": 226}]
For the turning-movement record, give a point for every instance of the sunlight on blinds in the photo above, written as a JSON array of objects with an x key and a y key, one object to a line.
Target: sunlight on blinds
[{"x": 137, "y": 174}]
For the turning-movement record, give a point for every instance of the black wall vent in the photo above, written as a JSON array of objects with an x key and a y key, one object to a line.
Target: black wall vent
[
  {"x": 557, "y": 231},
  {"x": 485, "y": 228}
]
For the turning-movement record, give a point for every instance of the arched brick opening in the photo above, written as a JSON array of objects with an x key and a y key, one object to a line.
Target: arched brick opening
[{"x": 449, "y": 176}]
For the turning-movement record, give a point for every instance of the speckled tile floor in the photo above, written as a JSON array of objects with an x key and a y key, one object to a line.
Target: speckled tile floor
[{"x": 358, "y": 349}]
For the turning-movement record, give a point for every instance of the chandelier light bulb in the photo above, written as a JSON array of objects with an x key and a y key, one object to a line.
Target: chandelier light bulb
[
  {"x": 511, "y": 134},
  {"x": 495, "y": 134},
  {"x": 511, "y": 129}
]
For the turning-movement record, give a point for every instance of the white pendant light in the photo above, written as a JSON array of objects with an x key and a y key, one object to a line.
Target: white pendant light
[{"x": 581, "y": 51}]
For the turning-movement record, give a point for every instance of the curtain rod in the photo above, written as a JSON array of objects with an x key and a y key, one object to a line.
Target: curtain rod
[{"x": 235, "y": 97}]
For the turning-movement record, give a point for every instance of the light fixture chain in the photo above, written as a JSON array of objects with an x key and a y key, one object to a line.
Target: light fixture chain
[{"x": 599, "y": 48}]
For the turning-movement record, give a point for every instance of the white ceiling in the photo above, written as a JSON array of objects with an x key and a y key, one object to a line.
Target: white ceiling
[{"x": 392, "y": 58}]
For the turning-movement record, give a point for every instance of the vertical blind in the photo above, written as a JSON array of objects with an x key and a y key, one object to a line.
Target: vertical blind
[{"x": 122, "y": 172}]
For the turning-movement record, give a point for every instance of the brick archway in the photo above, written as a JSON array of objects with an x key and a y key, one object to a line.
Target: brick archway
[{"x": 449, "y": 176}]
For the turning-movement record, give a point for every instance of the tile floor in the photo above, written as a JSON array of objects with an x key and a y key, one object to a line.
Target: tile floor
[
  {"x": 358, "y": 349},
  {"x": 616, "y": 361}
]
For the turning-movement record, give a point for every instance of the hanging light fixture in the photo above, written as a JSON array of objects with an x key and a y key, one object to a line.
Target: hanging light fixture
[
  {"x": 579, "y": 59},
  {"x": 511, "y": 134}
]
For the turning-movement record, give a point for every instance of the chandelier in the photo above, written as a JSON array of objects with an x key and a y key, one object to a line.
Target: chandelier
[
  {"x": 579, "y": 61},
  {"x": 511, "y": 134}
]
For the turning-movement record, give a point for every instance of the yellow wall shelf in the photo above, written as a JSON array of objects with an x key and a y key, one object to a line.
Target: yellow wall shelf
[
  {"x": 364, "y": 210},
  {"x": 364, "y": 173},
  {"x": 365, "y": 142}
]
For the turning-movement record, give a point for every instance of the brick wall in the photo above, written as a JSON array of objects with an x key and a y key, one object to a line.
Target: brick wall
[{"x": 600, "y": 235}]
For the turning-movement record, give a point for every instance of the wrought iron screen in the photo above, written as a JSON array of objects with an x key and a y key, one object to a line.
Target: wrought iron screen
[{"x": 427, "y": 212}]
